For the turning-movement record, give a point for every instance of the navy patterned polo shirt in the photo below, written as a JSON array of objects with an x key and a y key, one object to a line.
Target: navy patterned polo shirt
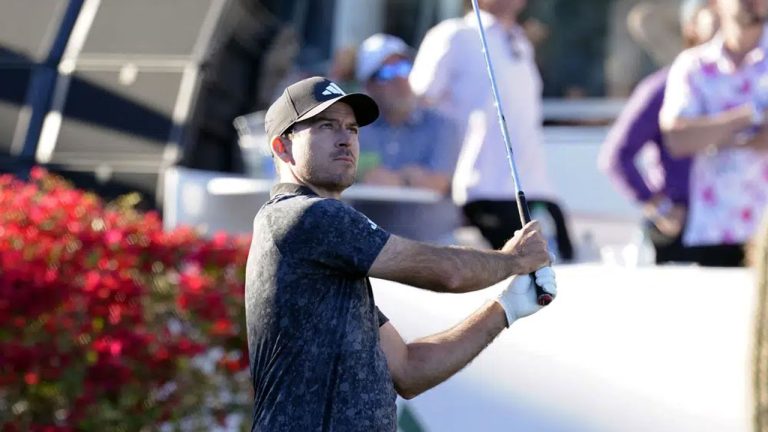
[{"x": 313, "y": 327}]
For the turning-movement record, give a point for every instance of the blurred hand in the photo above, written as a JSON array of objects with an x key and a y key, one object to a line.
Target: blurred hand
[
  {"x": 671, "y": 224},
  {"x": 519, "y": 298},
  {"x": 759, "y": 141},
  {"x": 415, "y": 175},
  {"x": 383, "y": 177},
  {"x": 529, "y": 248},
  {"x": 667, "y": 217}
]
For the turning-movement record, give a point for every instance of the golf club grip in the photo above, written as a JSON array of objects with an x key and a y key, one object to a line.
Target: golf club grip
[{"x": 543, "y": 298}]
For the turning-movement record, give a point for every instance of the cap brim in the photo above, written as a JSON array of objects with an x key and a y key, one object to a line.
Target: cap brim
[{"x": 365, "y": 108}]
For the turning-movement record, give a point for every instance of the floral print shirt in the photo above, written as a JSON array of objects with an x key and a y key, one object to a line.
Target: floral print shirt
[{"x": 729, "y": 187}]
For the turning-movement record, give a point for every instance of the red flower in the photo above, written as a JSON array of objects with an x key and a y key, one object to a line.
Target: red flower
[
  {"x": 31, "y": 378},
  {"x": 222, "y": 327},
  {"x": 107, "y": 309}
]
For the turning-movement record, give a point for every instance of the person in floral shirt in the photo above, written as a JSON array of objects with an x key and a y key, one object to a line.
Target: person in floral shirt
[{"x": 714, "y": 110}]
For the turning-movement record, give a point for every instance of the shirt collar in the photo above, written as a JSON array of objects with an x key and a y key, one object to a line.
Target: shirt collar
[
  {"x": 291, "y": 189},
  {"x": 715, "y": 52}
]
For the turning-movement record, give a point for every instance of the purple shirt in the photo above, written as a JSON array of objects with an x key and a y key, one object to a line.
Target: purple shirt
[{"x": 637, "y": 126}]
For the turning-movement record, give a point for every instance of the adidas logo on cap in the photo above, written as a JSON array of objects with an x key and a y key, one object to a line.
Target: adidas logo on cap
[{"x": 333, "y": 89}]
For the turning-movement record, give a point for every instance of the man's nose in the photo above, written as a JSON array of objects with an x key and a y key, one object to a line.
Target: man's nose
[{"x": 344, "y": 139}]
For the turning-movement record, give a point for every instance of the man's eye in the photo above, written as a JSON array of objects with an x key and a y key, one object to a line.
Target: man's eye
[
  {"x": 326, "y": 125},
  {"x": 354, "y": 130}
]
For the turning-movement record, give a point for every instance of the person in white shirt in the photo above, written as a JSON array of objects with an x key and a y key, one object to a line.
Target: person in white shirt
[{"x": 449, "y": 74}]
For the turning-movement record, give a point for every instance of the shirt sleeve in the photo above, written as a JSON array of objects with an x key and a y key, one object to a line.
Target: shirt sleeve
[
  {"x": 429, "y": 77},
  {"x": 336, "y": 236},
  {"x": 681, "y": 97},
  {"x": 382, "y": 318},
  {"x": 637, "y": 125}
]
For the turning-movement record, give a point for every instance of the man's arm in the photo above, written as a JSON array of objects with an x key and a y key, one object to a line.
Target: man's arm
[
  {"x": 457, "y": 269},
  {"x": 417, "y": 176},
  {"x": 420, "y": 365},
  {"x": 437, "y": 170},
  {"x": 425, "y": 363},
  {"x": 686, "y": 120},
  {"x": 410, "y": 176},
  {"x": 688, "y": 136},
  {"x": 430, "y": 76},
  {"x": 637, "y": 125}
]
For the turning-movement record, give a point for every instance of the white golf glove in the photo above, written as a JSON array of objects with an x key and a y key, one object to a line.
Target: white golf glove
[{"x": 519, "y": 298}]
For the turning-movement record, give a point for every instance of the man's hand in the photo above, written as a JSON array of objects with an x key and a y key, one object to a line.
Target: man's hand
[
  {"x": 529, "y": 248},
  {"x": 672, "y": 223},
  {"x": 758, "y": 141},
  {"x": 417, "y": 176},
  {"x": 667, "y": 217},
  {"x": 414, "y": 175},
  {"x": 383, "y": 177},
  {"x": 519, "y": 298}
]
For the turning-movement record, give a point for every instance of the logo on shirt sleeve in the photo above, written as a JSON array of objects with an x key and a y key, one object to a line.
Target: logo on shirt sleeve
[{"x": 372, "y": 224}]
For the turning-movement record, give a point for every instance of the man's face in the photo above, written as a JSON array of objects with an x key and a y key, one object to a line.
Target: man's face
[
  {"x": 509, "y": 9},
  {"x": 389, "y": 85},
  {"x": 325, "y": 148},
  {"x": 745, "y": 12}
]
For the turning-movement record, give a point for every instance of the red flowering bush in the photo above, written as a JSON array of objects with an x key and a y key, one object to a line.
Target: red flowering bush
[{"x": 109, "y": 323}]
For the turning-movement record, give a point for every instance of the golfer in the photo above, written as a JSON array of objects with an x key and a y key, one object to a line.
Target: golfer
[{"x": 323, "y": 357}]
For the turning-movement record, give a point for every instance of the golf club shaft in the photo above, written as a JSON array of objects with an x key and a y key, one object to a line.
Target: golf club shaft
[{"x": 542, "y": 297}]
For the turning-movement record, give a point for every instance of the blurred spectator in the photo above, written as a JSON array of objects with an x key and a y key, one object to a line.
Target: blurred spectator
[
  {"x": 664, "y": 203},
  {"x": 342, "y": 69},
  {"x": 408, "y": 146},
  {"x": 449, "y": 73},
  {"x": 714, "y": 110}
]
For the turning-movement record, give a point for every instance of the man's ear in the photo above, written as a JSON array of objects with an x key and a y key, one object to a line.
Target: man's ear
[{"x": 281, "y": 147}]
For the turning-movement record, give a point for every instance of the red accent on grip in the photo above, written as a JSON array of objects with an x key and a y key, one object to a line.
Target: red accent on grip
[{"x": 544, "y": 299}]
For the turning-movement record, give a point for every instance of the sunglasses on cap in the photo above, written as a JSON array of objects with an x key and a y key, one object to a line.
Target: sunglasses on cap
[{"x": 388, "y": 72}]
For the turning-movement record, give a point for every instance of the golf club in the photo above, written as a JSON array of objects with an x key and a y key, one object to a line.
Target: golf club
[{"x": 542, "y": 297}]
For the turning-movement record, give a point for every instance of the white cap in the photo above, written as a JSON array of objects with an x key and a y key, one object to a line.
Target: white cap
[{"x": 374, "y": 51}]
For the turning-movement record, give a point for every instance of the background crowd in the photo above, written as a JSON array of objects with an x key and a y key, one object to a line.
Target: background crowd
[
  {"x": 703, "y": 191},
  {"x": 88, "y": 289}
]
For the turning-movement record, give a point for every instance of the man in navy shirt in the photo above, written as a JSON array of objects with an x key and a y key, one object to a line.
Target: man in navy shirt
[{"x": 323, "y": 357}]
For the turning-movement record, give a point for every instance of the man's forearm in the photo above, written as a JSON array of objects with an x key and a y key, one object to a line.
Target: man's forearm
[
  {"x": 621, "y": 169},
  {"x": 686, "y": 137},
  {"x": 434, "y": 359},
  {"x": 450, "y": 269},
  {"x": 439, "y": 183},
  {"x": 624, "y": 141}
]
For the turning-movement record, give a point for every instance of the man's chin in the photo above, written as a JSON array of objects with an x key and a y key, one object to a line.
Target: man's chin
[{"x": 340, "y": 184}]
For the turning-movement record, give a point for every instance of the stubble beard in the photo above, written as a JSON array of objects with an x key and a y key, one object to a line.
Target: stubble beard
[{"x": 333, "y": 182}]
